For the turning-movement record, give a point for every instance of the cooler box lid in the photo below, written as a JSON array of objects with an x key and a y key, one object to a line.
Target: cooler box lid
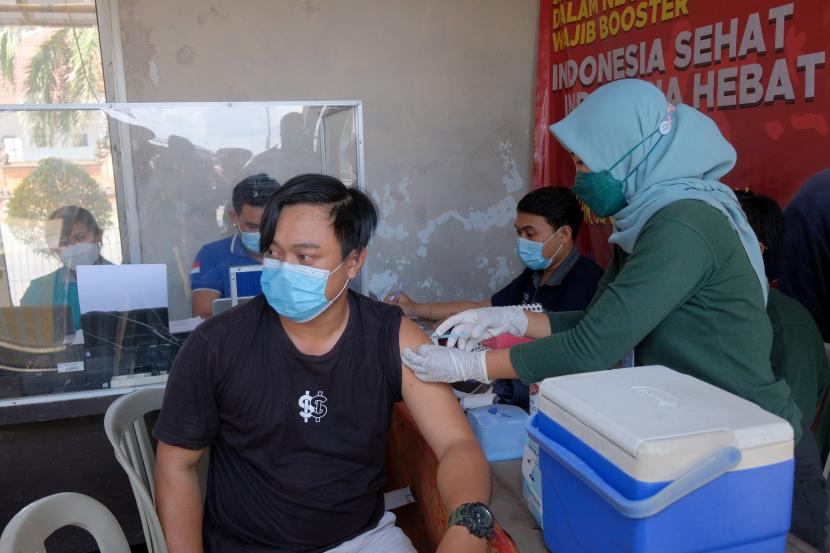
[{"x": 655, "y": 423}]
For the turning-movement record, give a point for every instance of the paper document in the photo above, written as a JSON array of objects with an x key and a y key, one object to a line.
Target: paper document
[
  {"x": 121, "y": 287},
  {"x": 185, "y": 325},
  {"x": 398, "y": 498}
]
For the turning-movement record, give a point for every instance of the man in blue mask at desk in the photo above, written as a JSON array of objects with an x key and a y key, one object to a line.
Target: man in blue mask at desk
[
  {"x": 293, "y": 394},
  {"x": 556, "y": 277},
  {"x": 210, "y": 274}
]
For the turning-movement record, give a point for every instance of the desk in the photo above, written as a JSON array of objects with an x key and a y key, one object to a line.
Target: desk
[{"x": 510, "y": 511}]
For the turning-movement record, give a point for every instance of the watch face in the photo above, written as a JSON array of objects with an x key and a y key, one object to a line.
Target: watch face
[{"x": 482, "y": 517}]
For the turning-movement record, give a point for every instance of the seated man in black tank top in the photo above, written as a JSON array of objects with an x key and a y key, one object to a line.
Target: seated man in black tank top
[{"x": 293, "y": 393}]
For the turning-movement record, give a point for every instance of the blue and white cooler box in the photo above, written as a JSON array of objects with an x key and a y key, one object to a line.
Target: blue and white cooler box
[{"x": 647, "y": 459}]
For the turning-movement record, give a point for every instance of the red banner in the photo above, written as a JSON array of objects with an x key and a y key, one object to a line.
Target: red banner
[{"x": 756, "y": 68}]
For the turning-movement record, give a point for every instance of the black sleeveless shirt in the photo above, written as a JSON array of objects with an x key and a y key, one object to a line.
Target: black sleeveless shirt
[{"x": 297, "y": 441}]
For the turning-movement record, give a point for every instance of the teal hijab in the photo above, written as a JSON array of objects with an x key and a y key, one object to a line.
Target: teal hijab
[{"x": 685, "y": 163}]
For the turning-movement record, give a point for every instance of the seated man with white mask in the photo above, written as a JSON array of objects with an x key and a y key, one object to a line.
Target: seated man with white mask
[
  {"x": 210, "y": 275},
  {"x": 293, "y": 394}
]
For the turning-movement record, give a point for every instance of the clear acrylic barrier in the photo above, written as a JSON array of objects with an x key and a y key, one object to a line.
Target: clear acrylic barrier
[{"x": 154, "y": 182}]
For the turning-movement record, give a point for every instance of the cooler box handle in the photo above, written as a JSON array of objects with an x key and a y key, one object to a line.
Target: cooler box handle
[{"x": 720, "y": 462}]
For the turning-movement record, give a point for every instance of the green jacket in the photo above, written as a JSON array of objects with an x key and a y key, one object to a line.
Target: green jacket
[
  {"x": 798, "y": 357},
  {"x": 687, "y": 298}
]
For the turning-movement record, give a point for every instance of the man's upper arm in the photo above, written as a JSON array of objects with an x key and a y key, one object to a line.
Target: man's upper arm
[
  {"x": 177, "y": 458},
  {"x": 205, "y": 274},
  {"x": 189, "y": 415},
  {"x": 432, "y": 404},
  {"x": 202, "y": 302}
]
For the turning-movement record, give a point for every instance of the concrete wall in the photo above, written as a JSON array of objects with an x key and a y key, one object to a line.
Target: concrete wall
[{"x": 447, "y": 88}]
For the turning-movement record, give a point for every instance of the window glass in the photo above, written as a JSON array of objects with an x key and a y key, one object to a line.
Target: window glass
[{"x": 70, "y": 203}]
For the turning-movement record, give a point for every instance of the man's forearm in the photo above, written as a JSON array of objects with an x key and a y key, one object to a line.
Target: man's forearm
[
  {"x": 463, "y": 477},
  {"x": 442, "y": 310},
  {"x": 538, "y": 325},
  {"x": 179, "y": 504},
  {"x": 499, "y": 365}
]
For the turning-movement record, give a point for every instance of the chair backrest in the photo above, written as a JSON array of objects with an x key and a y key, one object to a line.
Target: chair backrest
[
  {"x": 127, "y": 432},
  {"x": 28, "y": 530}
]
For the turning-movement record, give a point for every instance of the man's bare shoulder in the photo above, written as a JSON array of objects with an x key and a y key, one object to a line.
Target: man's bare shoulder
[{"x": 411, "y": 335}]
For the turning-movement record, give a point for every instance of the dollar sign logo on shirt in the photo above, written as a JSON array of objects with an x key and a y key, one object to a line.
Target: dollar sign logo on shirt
[{"x": 312, "y": 406}]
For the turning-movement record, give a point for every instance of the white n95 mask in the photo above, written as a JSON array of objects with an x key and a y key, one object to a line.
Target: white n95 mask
[{"x": 82, "y": 253}]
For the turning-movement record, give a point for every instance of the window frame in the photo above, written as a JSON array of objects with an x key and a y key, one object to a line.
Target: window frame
[{"x": 126, "y": 195}]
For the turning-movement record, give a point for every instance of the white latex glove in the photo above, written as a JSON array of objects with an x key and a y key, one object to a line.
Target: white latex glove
[
  {"x": 442, "y": 364},
  {"x": 474, "y": 325}
]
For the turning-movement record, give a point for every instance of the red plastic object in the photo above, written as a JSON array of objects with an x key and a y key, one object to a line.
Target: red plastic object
[{"x": 503, "y": 341}]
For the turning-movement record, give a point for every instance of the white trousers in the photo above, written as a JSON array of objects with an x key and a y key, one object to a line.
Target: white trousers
[{"x": 383, "y": 538}]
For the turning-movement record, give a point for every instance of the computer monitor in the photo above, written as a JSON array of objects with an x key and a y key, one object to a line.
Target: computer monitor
[{"x": 245, "y": 282}]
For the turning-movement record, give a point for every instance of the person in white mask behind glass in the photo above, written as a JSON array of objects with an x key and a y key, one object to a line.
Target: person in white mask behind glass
[
  {"x": 74, "y": 236},
  {"x": 293, "y": 394}
]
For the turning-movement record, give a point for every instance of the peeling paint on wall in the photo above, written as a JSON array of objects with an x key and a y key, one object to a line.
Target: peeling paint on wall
[
  {"x": 500, "y": 274},
  {"x": 495, "y": 216},
  {"x": 381, "y": 283},
  {"x": 512, "y": 179},
  {"x": 400, "y": 228},
  {"x": 387, "y": 203},
  {"x": 153, "y": 72}
]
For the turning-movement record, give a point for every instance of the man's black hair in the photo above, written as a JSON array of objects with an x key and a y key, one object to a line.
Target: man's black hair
[
  {"x": 556, "y": 204},
  {"x": 255, "y": 191},
  {"x": 354, "y": 215},
  {"x": 767, "y": 221},
  {"x": 72, "y": 214}
]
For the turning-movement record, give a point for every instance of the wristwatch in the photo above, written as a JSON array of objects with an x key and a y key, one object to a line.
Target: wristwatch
[{"x": 475, "y": 517}]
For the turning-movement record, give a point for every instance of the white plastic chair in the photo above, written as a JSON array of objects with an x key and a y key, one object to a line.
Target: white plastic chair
[
  {"x": 28, "y": 530},
  {"x": 127, "y": 432}
]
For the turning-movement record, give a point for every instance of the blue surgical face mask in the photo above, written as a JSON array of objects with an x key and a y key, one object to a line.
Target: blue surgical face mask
[
  {"x": 297, "y": 292},
  {"x": 250, "y": 240},
  {"x": 530, "y": 252},
  {"x": 603, "y": 193}
]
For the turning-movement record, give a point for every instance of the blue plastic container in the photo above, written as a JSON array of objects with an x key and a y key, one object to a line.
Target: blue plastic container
[
  {"x": 500, "y": 430},
  {"x": 722, "y": 497}
]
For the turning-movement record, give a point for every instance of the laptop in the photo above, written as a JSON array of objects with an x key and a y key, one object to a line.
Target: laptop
[
  {"x": 245, "y": 284},
  {"x": 126, "y": 343},
  {"x": 220, "y": 305}
]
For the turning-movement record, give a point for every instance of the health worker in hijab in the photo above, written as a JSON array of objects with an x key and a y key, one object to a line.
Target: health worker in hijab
[{"x": 685, "y": 288}]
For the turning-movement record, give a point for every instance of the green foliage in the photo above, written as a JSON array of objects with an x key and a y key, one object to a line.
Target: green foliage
[
  {"x": 9, "y": 38},
  {"x": 54, "y": 183},
  {"x": 65, "y": 69}
]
